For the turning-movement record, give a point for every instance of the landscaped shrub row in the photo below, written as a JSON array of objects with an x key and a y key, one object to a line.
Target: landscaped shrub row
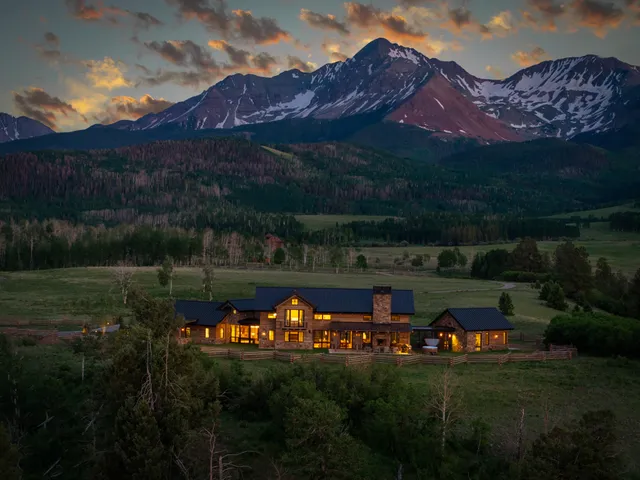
[{"x": 596, "y": 333}]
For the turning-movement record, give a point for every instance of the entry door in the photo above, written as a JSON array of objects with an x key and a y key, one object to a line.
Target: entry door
[{"x": 478, "y": 342}]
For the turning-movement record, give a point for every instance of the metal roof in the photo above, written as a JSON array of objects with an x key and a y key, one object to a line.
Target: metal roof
[
  {"x": 334, "y": 300},
  {"x": 479, "y": 318},
  {"x": 201, "y": 312}
]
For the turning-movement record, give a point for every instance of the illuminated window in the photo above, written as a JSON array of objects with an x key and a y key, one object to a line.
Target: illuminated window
[
  {"x": 187, "y": 332},
  {"x": 272, "y": 315},
  {"x": 294, "y": 318},
  {"x": 395, "y": 318},
  {"x": 294, "y": 301},
  {"x": 367, "y": 318},
  {"x": 486, "y": 338},
  {"x": 317, "y": 316},
  {"x": 395, "y": 337},
  {"x": 235, "y": 311},
  {"x": 321, "y": 339},
  {"x": 366, "y": 338},
  {"x": 206, "y": 332},
  {"x": 221, "y": 333},
  {"x": 294, "y": 336},
  {"x": 271, "y": 335},
  {"x": 505, "y": 336}
]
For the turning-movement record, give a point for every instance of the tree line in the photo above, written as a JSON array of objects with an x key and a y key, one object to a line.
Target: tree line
[
  {"x": 566, "y": 273},
  {"x": 138, "y": 405},
  {"x": 625, "y": 222}
]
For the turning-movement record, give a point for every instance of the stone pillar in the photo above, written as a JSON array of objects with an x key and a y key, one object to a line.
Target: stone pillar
[{"x": 381, "y": 305}]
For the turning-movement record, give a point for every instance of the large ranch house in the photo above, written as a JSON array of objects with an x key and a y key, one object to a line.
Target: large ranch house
[{"x": 376, "y": 319}]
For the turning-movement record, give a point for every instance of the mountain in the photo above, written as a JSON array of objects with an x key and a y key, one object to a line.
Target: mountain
[
  {"x": 560, "y": 98},
  {"x": 14, "y": 128}
]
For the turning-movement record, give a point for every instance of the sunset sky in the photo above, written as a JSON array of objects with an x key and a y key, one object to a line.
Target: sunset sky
[{"x": 73, "y": 63}]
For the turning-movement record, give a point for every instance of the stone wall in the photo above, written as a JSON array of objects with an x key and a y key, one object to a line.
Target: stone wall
[{"x": 381, "y": 304}]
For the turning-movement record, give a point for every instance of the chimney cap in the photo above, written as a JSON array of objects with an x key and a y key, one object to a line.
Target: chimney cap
[{"x": 382, "y": 289}]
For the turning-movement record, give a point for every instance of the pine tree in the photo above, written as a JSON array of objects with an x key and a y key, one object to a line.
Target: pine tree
[
  {"x": 506, "y": 304},
  {"x": 556, "y": 298}
]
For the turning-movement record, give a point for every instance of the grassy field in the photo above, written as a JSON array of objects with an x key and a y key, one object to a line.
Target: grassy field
[
  {"x": 600, "y": 212},
  {"x": 621, "y": 249},
  {"x": 319, "y": 222},
  {"x": 88, "y": 293}
]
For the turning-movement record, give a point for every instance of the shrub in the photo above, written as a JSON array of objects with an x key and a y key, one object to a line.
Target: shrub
[
  {"x": 556, "y": 298},
  {"x": 596, "y": 333}
]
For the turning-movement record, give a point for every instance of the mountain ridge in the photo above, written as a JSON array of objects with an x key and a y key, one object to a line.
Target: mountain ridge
[
  {"x": 561, "y": 98},
  {"x": 14, "y": 128}
]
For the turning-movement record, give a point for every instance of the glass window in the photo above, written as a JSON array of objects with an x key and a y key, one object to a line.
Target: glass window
[
  {"x": 294, "y": 301},
  {"x": 395, "y": 318},
  {"x": 395, "y": 337},
  {"x": 294, "y": 336},
  {"x": 206, "y": 332},
  {"x": 294, "y": 318},
  {"x": 221, "y": 332},
  {"x": 367, "y": 318},
  {"x": 321, "y": 339},
  {"x": 326, "y": 317},
  {"x": 272, "y": 315},
  {"x": 317, "y": 316},
  {"x": 486, "y": 338},
  {"x": 271, "y": 335}
]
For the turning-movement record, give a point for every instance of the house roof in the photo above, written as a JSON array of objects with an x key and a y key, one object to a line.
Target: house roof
[
  {"x": 477, "y": 319},
  {"x": 200, "y": 312},
  {"x": 242, "y": 304},
  {"x": 333, "y": 300}
]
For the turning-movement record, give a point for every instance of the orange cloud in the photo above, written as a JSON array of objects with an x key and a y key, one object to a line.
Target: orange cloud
[
  {"x": 107, "y": 73},
  {"x": 533, "y": 57},
  {"x": 598, "y": 16}
]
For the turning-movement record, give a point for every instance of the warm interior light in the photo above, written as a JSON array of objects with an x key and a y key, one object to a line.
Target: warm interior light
[
  {"x": 495, "y": 336},
  {"x": 440, "y": 334}
]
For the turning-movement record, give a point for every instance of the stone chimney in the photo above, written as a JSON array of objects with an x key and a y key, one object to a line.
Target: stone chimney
[{"x": 381, "y": 304}]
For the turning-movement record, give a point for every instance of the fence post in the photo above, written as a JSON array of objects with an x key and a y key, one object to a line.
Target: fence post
[
  {"x": 291, "y": 358},
  {"x": 346, "y": 360},
  {"x": 451, "y": 362},
  {"x": 241, "y": 355}
]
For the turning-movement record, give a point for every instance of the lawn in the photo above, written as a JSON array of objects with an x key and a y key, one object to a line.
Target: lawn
[{"x": 88, "y": 293}]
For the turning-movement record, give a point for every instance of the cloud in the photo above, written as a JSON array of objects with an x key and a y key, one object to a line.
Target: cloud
[
  {"x": 214, "y": 18},
  {"x": 261, "y": 30},
  {"x": 129, "y": 108},
  {"x": 37, "y": 104},
  {"x": 80, "y": 10},
  {"x": 461, "y": 20},
  {"x": 533, "y": 57},
  {"x": 403, "y": 26},
  {"x": 415, "y": 3},
  {"x": 549, "y": 11},
  {"x": 597, "y": 15},
  {"x": 334, "y": 52},
  {"x": 299, "y": 64},
  {"x": 107, "y": 73},
  {"x": 264, "y": 63},
  {"x": 235, "y": 25},
  {"x": 495, "y": 72},
  {"x": 184, "y": 53},
  {"x": 237, "y": 56},
  {"x": 243, "y": 61},
  {"x": 323, "y": 22},
  {"x": 52, "y": 39}
]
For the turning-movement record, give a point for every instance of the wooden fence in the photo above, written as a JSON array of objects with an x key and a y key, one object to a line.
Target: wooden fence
[{"x": 398, "y": 360}]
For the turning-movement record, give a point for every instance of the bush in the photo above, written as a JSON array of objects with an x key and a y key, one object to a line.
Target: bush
[
  {"x": 556, "y": 298},
  {"x": 596, "y": 334},
  {"x": 506, "y": 304}
]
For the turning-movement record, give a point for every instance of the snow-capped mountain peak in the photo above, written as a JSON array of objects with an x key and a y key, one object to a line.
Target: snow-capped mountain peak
[{"x": 555, "y": 98}]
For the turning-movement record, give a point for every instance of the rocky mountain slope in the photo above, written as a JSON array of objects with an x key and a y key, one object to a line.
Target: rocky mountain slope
[
  {"x": 559, "y": 98},
  {"x": 15, "y": 128}
]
